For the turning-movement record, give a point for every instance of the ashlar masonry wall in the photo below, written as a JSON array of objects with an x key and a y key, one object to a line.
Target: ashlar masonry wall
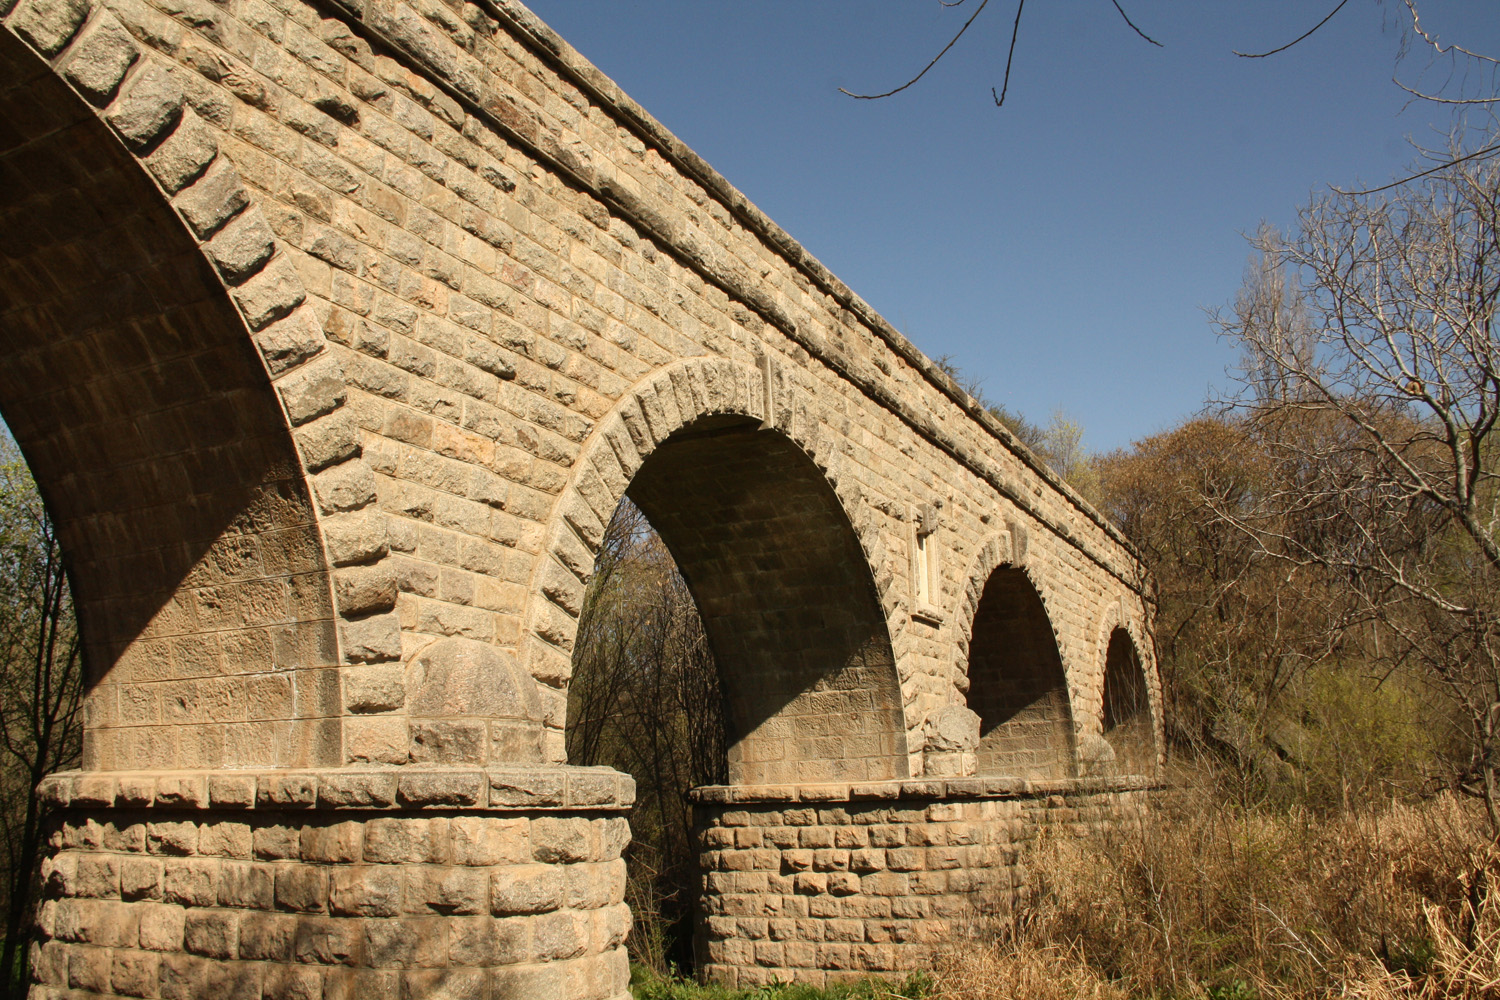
[{"x": 335, "y": 331}]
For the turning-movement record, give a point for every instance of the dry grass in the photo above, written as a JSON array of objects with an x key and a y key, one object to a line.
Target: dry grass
[{"x": 1196, "y": 900}]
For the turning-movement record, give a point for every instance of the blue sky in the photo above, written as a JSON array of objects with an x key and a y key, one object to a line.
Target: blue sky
[{"x": 1062, "y": 248}]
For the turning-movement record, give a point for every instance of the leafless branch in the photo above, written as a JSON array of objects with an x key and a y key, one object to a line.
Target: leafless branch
[
  {"x": 954, "y": 41},
  {"x": 1442, "y": 50},
  {"x": 1489, "y": 150},
  {"x": 1300, "y": 38},
  {"x": 1010, "y": 57},
  {"x": 1132, "y": 24}
]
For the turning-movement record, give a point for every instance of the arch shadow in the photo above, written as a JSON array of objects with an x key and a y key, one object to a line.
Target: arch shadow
[
  {"x": 1017, "y": 685},
  {"x": 1128, "y": 724},
  {"x": 774, "y": 563},
  {"x": 132, "y": 385}
]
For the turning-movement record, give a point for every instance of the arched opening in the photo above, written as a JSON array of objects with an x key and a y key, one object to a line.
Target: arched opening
[
  {"x": 733, "y": 627},
  {"x": 1016, "y": 683},
  {"x": 135, "y": 393},
  {"x": 1127, "y": 707}
]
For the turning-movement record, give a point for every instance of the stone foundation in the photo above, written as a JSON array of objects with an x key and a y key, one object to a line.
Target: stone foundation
[
  {"x": 394, "y": 884},
  {"x": 818, "y": 883}
]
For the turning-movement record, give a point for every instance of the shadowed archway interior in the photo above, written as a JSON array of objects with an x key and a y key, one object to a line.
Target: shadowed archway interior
[
  {"x": 155, "y": 436},
  {"x": 1127, "y": 708},
  {"x": 787, "y": 602},
  {"x": 1016, "y": 683}
]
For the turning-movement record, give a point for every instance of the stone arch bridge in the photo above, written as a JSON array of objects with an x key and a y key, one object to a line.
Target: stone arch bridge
[{"x": 334, "y": 331}]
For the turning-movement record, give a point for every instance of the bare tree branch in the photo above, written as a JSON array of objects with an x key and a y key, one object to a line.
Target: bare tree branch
[
  {"x": 875, "y": 97},
  {"x": 1489, "y": 150},
  {"x": 1300, "y": 38},
  {"x": 1010, "y": 57},
  {"x": 1132, "y": 24}
]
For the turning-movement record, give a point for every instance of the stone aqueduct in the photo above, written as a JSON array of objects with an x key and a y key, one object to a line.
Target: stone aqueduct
[{"x": 334, "y": 331}]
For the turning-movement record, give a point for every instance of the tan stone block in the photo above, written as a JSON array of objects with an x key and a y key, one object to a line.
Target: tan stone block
[
  {"x": 268, "y": 936},
  {"x": 140, "y": 878},
  {"x": 526, "y": 889},
  {"x": 303, "y": 888},
  {"x": 246, "y": 885},
  {"x": 160, "y": 926},
  {"x": 291, "y": 982},
  {"x": 446, "y": 890},
  {"x": 490, "y": 840},
  {"x": 405, "y": 840},
  {"x": 226, "y": 839},
  {"x": 336, "y": 843},
  {"x": 190, "y": 882},
  {"x": 561, "y": 840},
  {"x": 405, "y": 942},
  {"x": 212, "y": 933}
]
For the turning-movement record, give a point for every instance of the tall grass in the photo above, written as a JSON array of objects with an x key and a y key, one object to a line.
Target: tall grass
[{"x": 1198, "y": 900}]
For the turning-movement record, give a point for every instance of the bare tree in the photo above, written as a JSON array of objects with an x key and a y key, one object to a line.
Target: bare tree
[
  {"x": 40, "y": 690},
  {"x": 1373, "y": 383},
  {"x": 645, "y": 699}
]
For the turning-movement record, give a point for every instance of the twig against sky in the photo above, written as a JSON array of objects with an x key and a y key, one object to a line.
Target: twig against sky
[
  {"x": 1009, "y": 58},
  {"x": 1302, "y": 37}
]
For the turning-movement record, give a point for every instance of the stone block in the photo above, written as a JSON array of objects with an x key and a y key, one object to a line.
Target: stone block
[
  {"x": 447, "y": 890},
  {"x": 246, "y": 886},
  {"x": 441, "y": 788},
  {"x": 286, "y": 791},
  {"x": 302, "y": 888},
  {"x": 212, "y": 933},
  {"x": 100, "y": 60},
  {"x": 49, "y": 25},
  {"x": 148, "y": 109},
  {"x": 366, "y": 891},
  {"x": 526, "y": 889},
  {"x": 355, "y": 788},
  {"x": 241, "y": 247},
  {"x": 161, "y": 926}
]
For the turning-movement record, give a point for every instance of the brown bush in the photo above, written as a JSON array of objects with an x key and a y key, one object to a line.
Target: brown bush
[{"x": 1196, "y": 899}]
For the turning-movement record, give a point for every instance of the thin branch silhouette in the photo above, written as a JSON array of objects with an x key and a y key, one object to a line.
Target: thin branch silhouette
[
  {"x": 1133, "y": 27},
  {"x": 1010, "y": 57},
  {"x": 1299, "y": 38},
  {"x": 1486, "y": 151},
  {"x": 875, "y": 97}
]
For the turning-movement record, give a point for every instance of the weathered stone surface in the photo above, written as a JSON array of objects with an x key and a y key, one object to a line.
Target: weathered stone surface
[
  {"x": 241, "y": 248},
  {"x": 49, "y": 25},
  {"x": 100, "y": 59},
  {"x": 340, "y": 558},
  {"x": 149, "y": 108}
]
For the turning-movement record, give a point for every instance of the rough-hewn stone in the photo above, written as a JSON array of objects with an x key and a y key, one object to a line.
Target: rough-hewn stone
[{"x": 335, "y": 336}]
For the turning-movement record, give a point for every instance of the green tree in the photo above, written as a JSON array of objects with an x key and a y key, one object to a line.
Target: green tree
[{"x": 40, "y": 693}]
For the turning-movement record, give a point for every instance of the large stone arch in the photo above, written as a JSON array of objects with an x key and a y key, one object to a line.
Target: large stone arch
[
  {"x": 1009, "y": 665},
  {"x": 176, "y": 398},
  {"x": 791, "y": 605}
]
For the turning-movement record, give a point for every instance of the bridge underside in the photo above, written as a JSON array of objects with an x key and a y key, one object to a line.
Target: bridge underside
[{"x": 334, "y": 334}]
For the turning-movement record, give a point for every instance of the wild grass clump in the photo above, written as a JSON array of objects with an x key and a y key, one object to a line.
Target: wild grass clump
[{"x": 1204, "y": 901}]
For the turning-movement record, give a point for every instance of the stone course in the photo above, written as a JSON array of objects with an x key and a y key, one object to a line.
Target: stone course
[
  {"x": 821, "y": 884},
  {"x": 335, "y": 330},
  {"x": 460, "y": 883}
]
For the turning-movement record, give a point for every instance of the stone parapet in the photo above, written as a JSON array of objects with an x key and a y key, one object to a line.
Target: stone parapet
[
  {"x": 837, "y": 882},
  {"x": 343, "y": 884}
]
